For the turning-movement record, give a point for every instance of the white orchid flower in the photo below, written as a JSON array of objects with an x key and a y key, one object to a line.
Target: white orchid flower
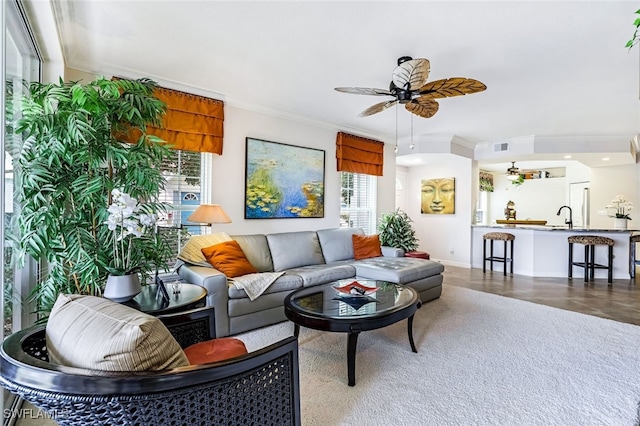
[{"x": 147, "y": 219}]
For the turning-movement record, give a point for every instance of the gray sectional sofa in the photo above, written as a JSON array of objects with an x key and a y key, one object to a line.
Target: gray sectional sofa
[{"x": 308, "y": 258}]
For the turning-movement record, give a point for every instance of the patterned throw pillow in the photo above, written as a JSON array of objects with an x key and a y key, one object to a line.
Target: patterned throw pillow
[
  {"x": 366, "y": 246},
  {"x": 192, "y": 250},
  {"x": 98, "y": 334}
]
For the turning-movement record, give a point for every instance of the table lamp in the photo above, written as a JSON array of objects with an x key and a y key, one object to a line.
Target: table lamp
[{"x": 208, "y": 214}]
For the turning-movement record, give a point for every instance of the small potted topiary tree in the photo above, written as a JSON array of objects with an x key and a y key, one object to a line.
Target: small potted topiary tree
[{"x": 395, "y": 230}]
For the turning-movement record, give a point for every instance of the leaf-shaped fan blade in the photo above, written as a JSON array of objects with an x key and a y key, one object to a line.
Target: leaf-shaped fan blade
[
  {"x": 449, "y": 87},
  {"x": 374, "y": 109},
  {"x": 364, "y": 91},
  {"x": 423, "y": 107},
  {"x": 413, "y": 73}
]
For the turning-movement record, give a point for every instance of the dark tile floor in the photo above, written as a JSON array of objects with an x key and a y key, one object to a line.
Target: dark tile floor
[{"x": 619, "y": 302}]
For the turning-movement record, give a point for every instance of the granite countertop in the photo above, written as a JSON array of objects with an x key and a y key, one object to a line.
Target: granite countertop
[{"x": 557, "y": 228}]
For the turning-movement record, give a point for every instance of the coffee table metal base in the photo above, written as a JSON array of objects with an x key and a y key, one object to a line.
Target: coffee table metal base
[{"x": 352, "y": 343}]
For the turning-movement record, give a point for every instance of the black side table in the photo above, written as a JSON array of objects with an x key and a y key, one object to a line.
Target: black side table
[{"x": 191, "y": 296}]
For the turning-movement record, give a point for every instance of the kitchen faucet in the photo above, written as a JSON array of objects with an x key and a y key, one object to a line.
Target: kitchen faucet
[{"x": 570, "y": 220}]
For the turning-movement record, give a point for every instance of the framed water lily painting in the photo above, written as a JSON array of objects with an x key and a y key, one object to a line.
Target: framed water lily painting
[{"x": 283, "y": 181}]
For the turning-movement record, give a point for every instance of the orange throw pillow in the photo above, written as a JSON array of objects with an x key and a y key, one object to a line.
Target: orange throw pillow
[
  {"x": 228, "y": 258},
  {"x": 366, "y": 246},
  {"x": 215, "y": 350}
]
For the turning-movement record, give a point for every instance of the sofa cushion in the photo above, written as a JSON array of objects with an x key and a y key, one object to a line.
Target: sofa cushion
[
  {"x": 337, "y": 243},
  {"x": 365, "y": 247},
  {"x": 256, "y": 249},
  {"x": 192, "y": 250},
  {"x": 294, "y": 249},
  {"x": 400, "y": 270},
  {"x": 321, "y": 274},
  {"x": 98, "y": 334},
  {"x": 228, "y": 258}
]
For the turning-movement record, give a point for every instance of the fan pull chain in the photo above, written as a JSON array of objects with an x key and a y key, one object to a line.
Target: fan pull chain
[
  {"x": 412, "y": 145},
  {"x": 395, "y": 149}
]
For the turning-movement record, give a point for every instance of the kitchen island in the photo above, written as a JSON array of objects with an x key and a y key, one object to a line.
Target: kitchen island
[{"x": 543, "y": 251}]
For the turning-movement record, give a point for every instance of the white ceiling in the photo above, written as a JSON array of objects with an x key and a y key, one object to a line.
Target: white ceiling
[{"x": 550, "y": 67}]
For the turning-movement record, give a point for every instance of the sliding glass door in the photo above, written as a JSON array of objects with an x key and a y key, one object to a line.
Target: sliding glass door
[{"x": 21, "y": 64}]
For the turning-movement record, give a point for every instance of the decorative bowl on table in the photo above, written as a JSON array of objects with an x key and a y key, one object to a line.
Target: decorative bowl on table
[{"x": 355, "y": 289}]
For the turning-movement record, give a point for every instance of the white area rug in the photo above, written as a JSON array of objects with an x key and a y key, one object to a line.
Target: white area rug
[{"x": 482, "y": 359}]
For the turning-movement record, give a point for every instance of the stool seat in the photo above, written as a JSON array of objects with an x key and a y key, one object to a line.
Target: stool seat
[
  {"x": 502, "y": 236},
  {"x": 497, "y": 236},
  {"x": 590, "y": 242}
]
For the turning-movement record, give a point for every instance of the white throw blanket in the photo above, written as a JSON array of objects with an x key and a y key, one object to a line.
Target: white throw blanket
[{"x": 255, "y": 284}]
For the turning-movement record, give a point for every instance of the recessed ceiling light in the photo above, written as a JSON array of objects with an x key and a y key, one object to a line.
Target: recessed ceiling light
[
  {"x": 605, "y": 158},
  {"x": 566, "y": 157}
]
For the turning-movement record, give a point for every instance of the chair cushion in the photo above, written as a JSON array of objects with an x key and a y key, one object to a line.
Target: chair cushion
[
  {"x": 215, "y": 350},
  {"x": 192, "y": 250},
  {"x": 98, "y": 334},
  {"x": 366, "y": 246},
  {"x": 228, "y": 258}
]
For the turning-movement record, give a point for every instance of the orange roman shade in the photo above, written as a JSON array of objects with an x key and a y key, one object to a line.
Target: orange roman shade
[
  {"x": 356, "y": 154},
  {"x": 191, "y": 123}
]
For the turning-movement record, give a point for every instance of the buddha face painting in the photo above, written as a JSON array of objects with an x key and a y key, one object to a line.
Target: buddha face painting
[{"x": 438, "y": 196}]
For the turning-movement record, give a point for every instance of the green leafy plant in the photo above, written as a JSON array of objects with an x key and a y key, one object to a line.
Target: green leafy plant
[
  {"x": 636, "y": 37},
  {"x": 70, "y": 161},
  {"x": 395, "y": 230},
  {"x": 519, "y": 181}
]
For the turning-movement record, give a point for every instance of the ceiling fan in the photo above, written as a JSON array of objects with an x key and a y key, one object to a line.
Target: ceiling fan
[
  {"x": 409, "y": 87},
  {"x": 513, "y": 173}
]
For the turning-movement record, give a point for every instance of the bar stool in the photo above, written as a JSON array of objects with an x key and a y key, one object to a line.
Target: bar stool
[
  {"x": 633, "y": 239},
  {"x": 497, "y": 236},
  {"x": 590, "y": 242}
]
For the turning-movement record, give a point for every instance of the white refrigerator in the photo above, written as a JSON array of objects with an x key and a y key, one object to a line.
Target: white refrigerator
[{"x": 579, "y": 202}]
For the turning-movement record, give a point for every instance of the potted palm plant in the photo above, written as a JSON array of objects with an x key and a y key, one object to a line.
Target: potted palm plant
[
  {"x": 67, "y": 167},
  {"x": 395, "y": 230}
]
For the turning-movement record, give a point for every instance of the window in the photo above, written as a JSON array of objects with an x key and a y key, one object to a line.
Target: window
[
  {"x": 358, "y": 201},
  {"x": 182, "y": 170}
]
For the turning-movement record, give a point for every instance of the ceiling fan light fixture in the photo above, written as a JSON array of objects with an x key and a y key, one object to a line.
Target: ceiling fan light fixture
[
  {"x": 513, "y": 173},
  {"x": 513, "y": 177}
]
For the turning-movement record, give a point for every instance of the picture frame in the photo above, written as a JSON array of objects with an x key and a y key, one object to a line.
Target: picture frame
[
  {"x": 438, "y": 196},
  {"x": 283, "y": 181},
  {"x": 162, "y": 290}
]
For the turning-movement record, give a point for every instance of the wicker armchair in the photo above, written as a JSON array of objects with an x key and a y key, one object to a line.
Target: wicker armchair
[{"x": 260, "y": 388}]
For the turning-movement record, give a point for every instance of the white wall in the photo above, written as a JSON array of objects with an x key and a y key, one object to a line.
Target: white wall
[
  {"x": 535, "y": 199},
  {"x": 228, "y": 172},
  {"x": 439, "y": 234},
  {"x": 606, "y": 183}
]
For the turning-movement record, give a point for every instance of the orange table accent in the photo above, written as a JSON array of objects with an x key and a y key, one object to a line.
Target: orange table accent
[{"x": 417, "y": 254}]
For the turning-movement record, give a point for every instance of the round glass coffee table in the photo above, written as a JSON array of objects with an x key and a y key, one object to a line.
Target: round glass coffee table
[{"x": 340, "y": 310}]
